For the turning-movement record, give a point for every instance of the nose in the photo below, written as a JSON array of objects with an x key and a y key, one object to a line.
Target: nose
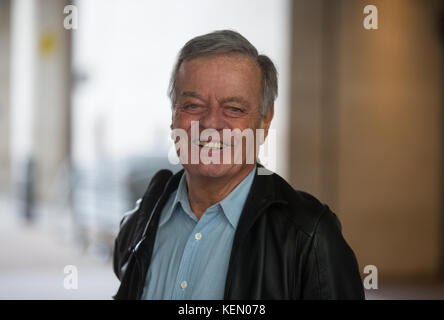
[{"x": 212, "y": 119}]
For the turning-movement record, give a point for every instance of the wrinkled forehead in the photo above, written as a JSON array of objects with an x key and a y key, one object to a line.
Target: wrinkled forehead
[{"x": 227, "y": 74}]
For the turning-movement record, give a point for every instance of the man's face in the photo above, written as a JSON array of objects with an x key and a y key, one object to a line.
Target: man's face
[{"x": 220, "y": 92}]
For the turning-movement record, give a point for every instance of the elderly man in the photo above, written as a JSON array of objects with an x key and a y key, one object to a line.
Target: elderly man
[{"x": 221, "y": 228}]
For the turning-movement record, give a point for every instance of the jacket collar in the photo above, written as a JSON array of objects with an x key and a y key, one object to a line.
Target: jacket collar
[
  {"x": 229, "y": 205},
  {"x": 263, "y": 192}
]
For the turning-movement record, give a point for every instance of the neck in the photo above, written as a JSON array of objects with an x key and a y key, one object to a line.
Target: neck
[{"x": 203, "y": 192}]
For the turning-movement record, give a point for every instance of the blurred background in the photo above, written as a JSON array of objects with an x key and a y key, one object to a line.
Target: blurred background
[{"x": 84, "y": 124}]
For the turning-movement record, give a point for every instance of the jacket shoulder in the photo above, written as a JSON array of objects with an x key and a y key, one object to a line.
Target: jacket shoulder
[
  {"x": 302, "y": 208},
  {"x": 132, "y": 222}
]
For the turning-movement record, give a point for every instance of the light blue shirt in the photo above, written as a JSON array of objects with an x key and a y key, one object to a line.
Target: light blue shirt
[{"x": 190, "y": 257}]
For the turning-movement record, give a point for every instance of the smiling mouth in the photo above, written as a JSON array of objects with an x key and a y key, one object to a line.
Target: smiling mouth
[{"x": 216, "y": 145}]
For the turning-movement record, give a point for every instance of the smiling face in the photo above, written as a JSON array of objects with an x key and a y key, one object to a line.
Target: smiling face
[{"x": 220, "y": 92}]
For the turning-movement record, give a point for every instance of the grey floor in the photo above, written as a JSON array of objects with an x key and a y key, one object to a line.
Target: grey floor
[
  {"x": 33, "y": 258},
  {"x": 414, "y": 290}
]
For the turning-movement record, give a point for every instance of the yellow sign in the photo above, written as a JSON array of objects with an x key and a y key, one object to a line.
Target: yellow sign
[{"x": 47, "y": 43}]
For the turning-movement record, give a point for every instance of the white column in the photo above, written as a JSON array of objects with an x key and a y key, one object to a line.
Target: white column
[
  {"x": 51, "y": 133},
  {"x": 5, "y": 163},
  {"x": 40, "y": 82},
  {"x": 23, "y": 67}
]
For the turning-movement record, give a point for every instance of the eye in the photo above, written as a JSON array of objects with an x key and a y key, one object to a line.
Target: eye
[
  {"x": 192, "y": 107},
  {"x": 235, "y": 109}
]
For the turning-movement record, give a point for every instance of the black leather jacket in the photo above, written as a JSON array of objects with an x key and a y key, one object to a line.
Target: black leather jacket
[{"x": 287, "y": 245}]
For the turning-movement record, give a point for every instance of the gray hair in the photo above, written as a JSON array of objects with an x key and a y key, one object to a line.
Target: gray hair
[{"x": 224, "y": 42}]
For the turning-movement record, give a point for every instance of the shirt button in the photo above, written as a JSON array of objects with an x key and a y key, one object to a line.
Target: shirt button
[
  {"x": 184, "y": 284},
  {"x": 198, "y": 236}
]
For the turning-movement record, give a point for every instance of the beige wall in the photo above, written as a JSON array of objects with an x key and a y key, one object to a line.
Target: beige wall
[{"x": 367, "y": 127}]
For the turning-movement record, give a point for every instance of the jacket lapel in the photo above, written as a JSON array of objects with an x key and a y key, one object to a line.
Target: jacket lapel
[
  {"x": 262, "y": 194},
  {"x": 149, "y": 223}
]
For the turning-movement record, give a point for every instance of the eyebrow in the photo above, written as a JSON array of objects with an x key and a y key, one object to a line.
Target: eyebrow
[
  {"x": 223, "y": 100},
  {"x": 193, "y": 95},
  {"x": 236, "y": 99}
]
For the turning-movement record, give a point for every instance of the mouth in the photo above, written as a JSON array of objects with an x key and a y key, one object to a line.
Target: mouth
[{"x": 215, "y": 145}]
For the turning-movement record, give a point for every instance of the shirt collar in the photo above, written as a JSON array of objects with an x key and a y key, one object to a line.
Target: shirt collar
[
  {"x": 231, "y": 205},
  {"x": 180, "y": 197}
]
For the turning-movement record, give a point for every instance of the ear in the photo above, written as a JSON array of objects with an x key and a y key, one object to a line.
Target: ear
[
  {"x": 173, "y": 115},
  {"x": 171, "y": 125},
  {"x": 266, "y": 120}
]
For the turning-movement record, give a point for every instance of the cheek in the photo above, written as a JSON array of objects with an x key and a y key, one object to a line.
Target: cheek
[
  {"x": 253, "y": 122},
  {"x": 182, "y": 121}
]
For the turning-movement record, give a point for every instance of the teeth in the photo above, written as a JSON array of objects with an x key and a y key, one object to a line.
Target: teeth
[{"x": 211, "y": 144}]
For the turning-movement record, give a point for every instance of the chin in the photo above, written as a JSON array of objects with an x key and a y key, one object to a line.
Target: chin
[{"x": 212, "y": 170}]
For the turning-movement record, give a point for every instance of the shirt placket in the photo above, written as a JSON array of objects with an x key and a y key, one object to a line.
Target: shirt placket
[{"x": 184, "y": 280}]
